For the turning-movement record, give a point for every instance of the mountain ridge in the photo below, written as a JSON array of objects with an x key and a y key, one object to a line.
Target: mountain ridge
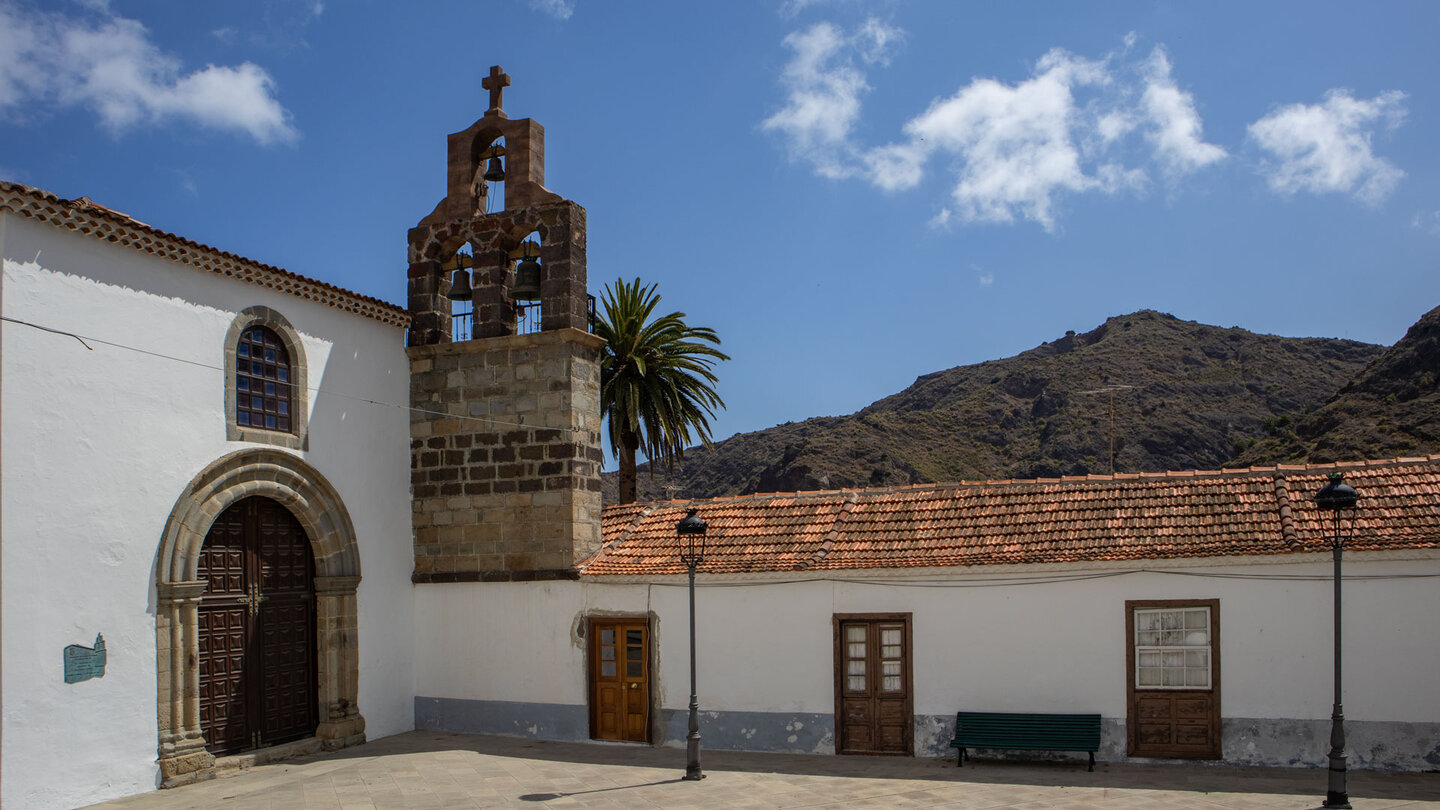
[{"x": 1186, "y": 396}]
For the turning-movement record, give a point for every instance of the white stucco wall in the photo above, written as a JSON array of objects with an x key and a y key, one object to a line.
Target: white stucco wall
[
  {"x": 98, "y": 444},
  {"x": 1057, "y": 647}
]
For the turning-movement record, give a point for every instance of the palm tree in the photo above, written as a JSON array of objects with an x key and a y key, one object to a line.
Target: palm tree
[{"x": 655, "y": 379}]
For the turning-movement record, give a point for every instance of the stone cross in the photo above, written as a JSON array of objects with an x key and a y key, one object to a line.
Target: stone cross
[{"x": 496, "y": 83}]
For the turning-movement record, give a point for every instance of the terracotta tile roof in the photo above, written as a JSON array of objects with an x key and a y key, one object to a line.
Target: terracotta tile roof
[
  {"x": 86, "y": 217},
  {"x": 1148, "y": 516}
]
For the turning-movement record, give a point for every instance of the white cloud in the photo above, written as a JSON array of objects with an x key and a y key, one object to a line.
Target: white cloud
[
  {"x": 789, "y": 8},
  {"x": 824, "y": 86},
  {"x": 941, "y": 220},
  {"x": 1427, "y": 221},
  {"x": 559, "y": 9},
  {"x": 108, "y": 64},
  {"x": 1014, "y": 141},
  {"x": 1173, "y": 126},
  {"x": 1322, "y": 148},
  {"x": 987, "y": 279},
  {"x": 1017, "y": 148}
]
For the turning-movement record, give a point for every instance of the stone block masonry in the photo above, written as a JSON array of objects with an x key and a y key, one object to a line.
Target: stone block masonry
[{"x": 505, "y": 456}]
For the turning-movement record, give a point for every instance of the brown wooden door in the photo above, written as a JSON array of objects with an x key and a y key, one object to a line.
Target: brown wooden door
[
  {"x": 1173, "y": 658},
  {"x": 620, "y": 679},
  {"x": 257, "y": 629},
  {"x": 872, "y": 684}
]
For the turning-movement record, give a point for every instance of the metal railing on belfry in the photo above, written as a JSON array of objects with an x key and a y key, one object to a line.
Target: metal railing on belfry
[{"x": 527, "y": 319}]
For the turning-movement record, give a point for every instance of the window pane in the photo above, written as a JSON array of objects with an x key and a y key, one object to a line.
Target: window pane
[
  {"x": 269, "y": 389},
  {"x": 607, "y": 669},
  {"x": 284, "y": 375},
  {"x": 634, "y": 636},
  {"x": 634, "y": 669},
  {"x": 1144, "y": 620},
  {"x": 607, "y": 636},
  {"x": 269, "y": 355},
  {"x": 856, "y": 668},
  {"x": 889, "y": 667},
  {"x": 890, "y": 651},
  {"x": 1150, "y": 659},
  {"x": 1147, "y": 638},
  {"x": 1197, "y": 638},
  {"x": 632, "y": 653},
  {"x": 855, "y": 683},
  {"x": 1197, "y": 658},
  {"x": 244, "y": 350},
  {"x": 857, "y": 650},
  {"x": 890, "y": 683},
  {"x": 1197, "y": 677},
  {"x": 607, "y": 653},
  {"x": 888, "y": 636},
  {"x": 1172, "y": 638},
  {"x": 1148, "y": 677},
  {"x": 243, "y": 383},
  {"x": 1174, "y": 677},
  {"x": 243, "y": 418},
  {"x": 258, "y": 336},
  {"x": 854, "y": 634},
  {"x": 270, "y": 422},
  {"x": 283, "y": 406},
  {"x": 1197, "y": 618}
]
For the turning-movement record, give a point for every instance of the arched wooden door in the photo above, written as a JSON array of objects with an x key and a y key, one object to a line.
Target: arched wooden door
[{"x": 256, "y": 629}]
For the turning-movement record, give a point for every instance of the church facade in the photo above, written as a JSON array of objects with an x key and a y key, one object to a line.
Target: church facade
[{"x": 245, "y": 514}]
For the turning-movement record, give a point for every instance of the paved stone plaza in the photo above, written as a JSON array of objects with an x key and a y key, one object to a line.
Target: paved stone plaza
[{"x": 428, "y": 770}]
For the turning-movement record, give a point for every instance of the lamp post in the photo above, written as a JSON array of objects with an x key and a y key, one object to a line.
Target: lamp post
[
  {"x": 691, "y": 530},
  {"x": 1339, "y": 499}
]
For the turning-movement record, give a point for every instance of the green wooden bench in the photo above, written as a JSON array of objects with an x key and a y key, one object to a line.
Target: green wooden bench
[{"x": 1027, "y": 732}]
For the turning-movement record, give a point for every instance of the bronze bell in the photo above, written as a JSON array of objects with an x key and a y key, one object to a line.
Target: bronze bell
[
  {"x": 527, "y": 281},
  {"x": 494, "y": 171},
  {"x": 460, "y": 286}
]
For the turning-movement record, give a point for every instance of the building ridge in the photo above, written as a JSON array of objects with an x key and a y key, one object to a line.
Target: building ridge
[{"x": 88, "y": 217}]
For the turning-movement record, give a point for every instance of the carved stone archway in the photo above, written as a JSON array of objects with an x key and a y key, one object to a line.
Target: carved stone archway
[{"x": 290, "y": 481}]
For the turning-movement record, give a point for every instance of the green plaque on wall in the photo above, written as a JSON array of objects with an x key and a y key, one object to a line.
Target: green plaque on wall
[{"x": 84, "y": 663}]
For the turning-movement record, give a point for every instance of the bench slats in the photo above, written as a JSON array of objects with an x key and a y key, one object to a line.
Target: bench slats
[{"x": 1027, "y": 732}]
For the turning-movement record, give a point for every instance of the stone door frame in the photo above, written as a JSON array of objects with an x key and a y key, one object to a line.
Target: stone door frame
[{"x": 290, "y": 481}]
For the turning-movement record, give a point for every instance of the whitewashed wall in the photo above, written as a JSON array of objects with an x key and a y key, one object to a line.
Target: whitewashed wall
[
  {"x": 97, "y": 447},
  {"x": 766, "y": 653}
]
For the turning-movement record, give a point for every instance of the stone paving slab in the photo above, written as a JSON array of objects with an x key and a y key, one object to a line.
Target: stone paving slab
[{"x": 425, "y": 770}]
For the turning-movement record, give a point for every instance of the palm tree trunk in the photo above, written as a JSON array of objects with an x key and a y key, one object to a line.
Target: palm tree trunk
[{"x": 629, "y": 444}]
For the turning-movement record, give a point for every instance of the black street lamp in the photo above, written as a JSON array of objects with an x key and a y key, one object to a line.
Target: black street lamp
[
  {"x": 691, "y": 530},
  {"x": 1339, "y": 498}
]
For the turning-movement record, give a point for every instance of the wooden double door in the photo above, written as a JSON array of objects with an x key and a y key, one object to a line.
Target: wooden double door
[
  {"x": 256, "y": 629},
  {"x": 873, "y": 703},
  {"x": 620, "y": 679}
]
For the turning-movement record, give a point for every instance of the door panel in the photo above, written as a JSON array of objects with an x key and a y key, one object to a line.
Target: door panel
[
  {"x": 257, "y": 629},
  {"x": 872, "y": 684},
  {"x": 1175, "y": 643},
  {"x": 620, "y": 679}
]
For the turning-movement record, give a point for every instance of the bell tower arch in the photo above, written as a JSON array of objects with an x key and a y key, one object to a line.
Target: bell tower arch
[{"x": 505, "y": 435}]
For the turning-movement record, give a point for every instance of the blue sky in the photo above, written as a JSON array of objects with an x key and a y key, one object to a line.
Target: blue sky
[{"x": 852, "y": 193}]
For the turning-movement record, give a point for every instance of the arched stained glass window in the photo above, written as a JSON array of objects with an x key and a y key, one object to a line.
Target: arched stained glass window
[{"x": 262, "y": 381}]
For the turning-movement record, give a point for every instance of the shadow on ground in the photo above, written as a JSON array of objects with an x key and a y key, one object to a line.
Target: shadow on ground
[{"x": 1191, "y": 776}]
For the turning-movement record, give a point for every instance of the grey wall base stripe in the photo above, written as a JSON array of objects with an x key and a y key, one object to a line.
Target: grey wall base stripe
[
  {"x": 796, "y": 733},
  {"x": 1372, "y": 745},
  {"x": 545, "y": 721}
]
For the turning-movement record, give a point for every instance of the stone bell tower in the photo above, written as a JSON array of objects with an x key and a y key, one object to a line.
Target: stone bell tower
[{"x": 505, "y": 432}]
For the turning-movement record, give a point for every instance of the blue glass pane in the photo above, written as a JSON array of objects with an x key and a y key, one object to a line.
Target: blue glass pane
[
  {"x": 257, "y": 367},
  {"x": 270, "y": 422},
  {"x": 284, "y": 375},
  {"x": 244, "y": 349},
  {"x": 243, "y": 383},
  {"x": 283, "y": 406},
  {"x": 269, "y": 355},
  {"x": 269, "y": 389},
  {"x": 243, "y": 418},
  {"x": 258, "y": 403},
  {"x": 258, "y": 336},
  {"x": 284, "y": 423}
]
